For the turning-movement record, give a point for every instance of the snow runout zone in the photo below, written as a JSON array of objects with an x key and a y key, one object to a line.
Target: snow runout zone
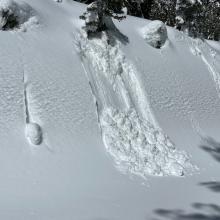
[{"x": 130, "y": 132}]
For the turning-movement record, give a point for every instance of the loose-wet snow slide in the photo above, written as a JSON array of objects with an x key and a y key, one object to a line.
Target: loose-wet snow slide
[
  {"x": 129, "y": 130},
  {"x": 16, "y": 16}
]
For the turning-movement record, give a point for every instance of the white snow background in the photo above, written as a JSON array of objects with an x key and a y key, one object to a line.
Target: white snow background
[{"x": 122, "y": 130}]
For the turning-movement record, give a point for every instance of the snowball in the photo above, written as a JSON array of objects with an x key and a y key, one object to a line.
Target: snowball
[
  {"x": 13, "y": 14},
  {"x": 155, "y": 34},
  {"x": 34, "y": 133}
]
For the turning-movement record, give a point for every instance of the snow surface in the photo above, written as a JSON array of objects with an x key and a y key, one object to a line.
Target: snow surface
[{"x": 71, "y": 175}]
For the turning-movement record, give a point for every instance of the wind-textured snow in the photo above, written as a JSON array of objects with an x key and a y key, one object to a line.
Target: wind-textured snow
[{"x": 129, "y": 129}]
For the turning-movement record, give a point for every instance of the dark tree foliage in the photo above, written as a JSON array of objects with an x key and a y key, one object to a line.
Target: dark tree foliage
[
  {"x": 164, "y": 10},
  {"x": 209, "y": 20},
  {"x": 199, "y": 18},
  {"x": 187, "y": 14},
  {"x": 8, "y": 20},
  {"x": 99, "y": 14},
  {"x": 139, "y": 8}
]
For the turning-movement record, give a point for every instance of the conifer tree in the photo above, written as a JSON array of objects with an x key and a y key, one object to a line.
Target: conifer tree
[
  {"x": 98, "y": 13},
  {"x": 187, "y": 14}
]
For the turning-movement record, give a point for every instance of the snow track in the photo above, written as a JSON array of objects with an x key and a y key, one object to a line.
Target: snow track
[
  {"x": 129, "y": 129},
  {"x": 33, "y": 131},
  {"x": 208, "y": 56}
]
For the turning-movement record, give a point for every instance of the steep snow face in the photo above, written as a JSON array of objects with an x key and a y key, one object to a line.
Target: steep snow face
[
  {"x": 129, "y": 129},
  {"x": 209, "y": 57}
]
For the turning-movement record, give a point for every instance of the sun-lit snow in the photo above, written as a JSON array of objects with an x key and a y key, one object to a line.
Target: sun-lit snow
[{"x": 111, "y": 111}]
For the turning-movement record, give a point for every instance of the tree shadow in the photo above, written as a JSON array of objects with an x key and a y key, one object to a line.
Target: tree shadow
[
  {"x": 212, "y": 185},
  {"x": 202, "y": 212},
  {"x": 212, "y": 147}
]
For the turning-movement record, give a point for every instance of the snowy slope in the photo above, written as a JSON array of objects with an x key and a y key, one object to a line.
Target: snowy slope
[{"x": 72, "y": 175}]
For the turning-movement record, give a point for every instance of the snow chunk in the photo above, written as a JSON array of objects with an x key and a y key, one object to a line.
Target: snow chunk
[
  {"x": 34, "y": 133},
  {"x": 14, "y": 15},
  {"x": 155, "y": 34},
  {"x": 140, "y": 148}
]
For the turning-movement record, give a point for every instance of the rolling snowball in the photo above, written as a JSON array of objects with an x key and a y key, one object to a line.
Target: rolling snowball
[{"x": 34, "y": 133}]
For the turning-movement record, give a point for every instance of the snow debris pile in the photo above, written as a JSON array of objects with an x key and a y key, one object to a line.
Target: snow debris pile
[
  {"x": 34, "y": 133},
  {"x": 138, "y": 147},
  {"x": 15, "y": 15},
  {"x": 129, "y": 131},
  {"x": 155, "y": 34}
]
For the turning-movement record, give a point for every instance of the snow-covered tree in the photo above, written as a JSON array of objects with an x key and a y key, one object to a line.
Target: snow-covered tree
[
  {"x": 187, "y": 14},
  {"x": 8, "y": 20},
  {"x": 199, "y": 18},
  {"x": 209, "y": 20},
  {"x": 98, "y": 12}
]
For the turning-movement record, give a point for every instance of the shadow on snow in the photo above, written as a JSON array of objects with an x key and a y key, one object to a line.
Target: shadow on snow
[
  {"x": 212, "y": 147},
  {"x": 212, "y": 185},
  {"x": 202, "y": 212}
]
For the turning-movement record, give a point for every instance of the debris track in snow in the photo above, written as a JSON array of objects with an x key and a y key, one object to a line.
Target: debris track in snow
[
  {"x": 129, "y": 129},
  {"x": 208, "y": 56},
  {"x": 15, "y": 15}
]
